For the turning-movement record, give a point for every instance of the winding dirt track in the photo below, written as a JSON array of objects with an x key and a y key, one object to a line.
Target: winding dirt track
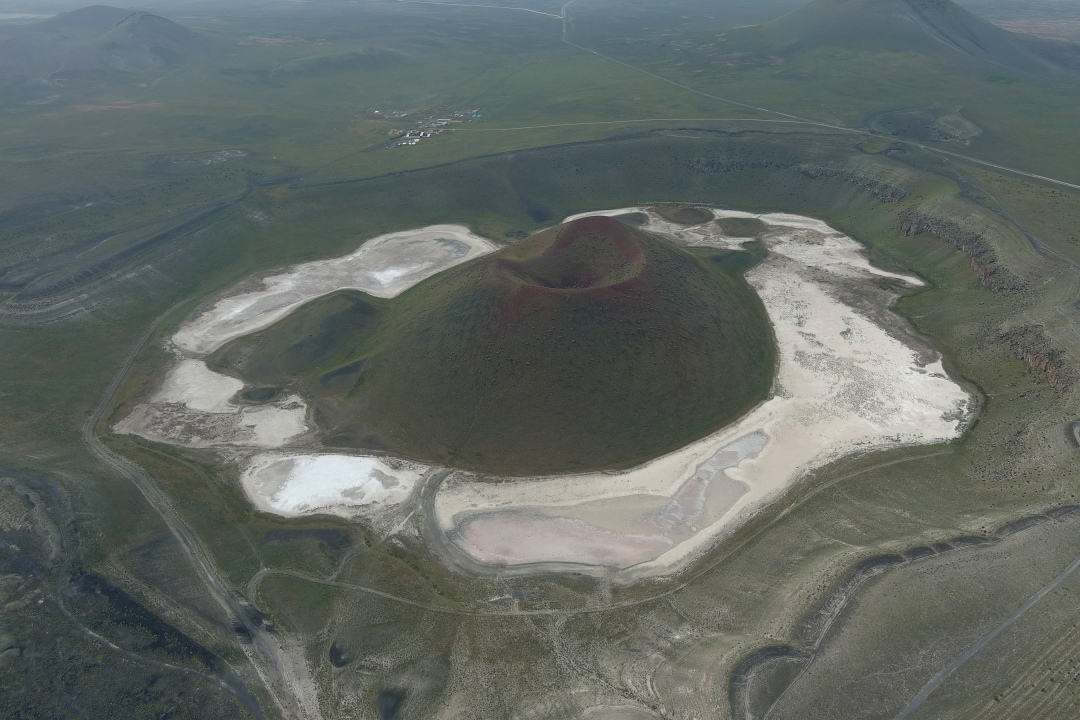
[
  {"x": 971, "y": 650},
  {"x": 261, "y": 642},
  {"x": 229, "y": 683},
  {"x": 435, "y": 535}
]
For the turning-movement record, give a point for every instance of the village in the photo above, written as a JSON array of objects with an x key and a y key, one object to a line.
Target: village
[{"x": 434, "y": 123}]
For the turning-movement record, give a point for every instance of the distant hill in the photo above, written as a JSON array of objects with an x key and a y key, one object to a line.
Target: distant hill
[
  {"x": 589, "y": 345},
  {"x": 928, "y": 26},
  {"x": 93, "y": 39},
  {"x": 1058, "y": 52}
]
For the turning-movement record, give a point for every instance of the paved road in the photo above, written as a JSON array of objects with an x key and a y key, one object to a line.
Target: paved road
[
  {"x": 642, "y": 120},
  {"x": 472, "y": 5}
]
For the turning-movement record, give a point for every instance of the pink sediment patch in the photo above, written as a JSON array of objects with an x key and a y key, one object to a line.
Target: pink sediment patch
[
  {"x": 513, "y": 539},
  {"x": 849, "y": 380}
]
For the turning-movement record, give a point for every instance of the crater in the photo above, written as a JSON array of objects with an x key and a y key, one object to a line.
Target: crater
[
  {"x": 590, "y": 253},
  {"x": 590, "y": 345}
]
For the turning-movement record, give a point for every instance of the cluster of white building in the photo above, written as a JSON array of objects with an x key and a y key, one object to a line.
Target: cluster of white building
[{"x": 434, "y": 126}]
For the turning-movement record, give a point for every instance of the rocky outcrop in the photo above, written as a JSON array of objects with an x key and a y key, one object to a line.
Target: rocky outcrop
[
  {"x": 983, "y": 257},
  {"x": 1032, "y": 345},
  {"x": 721, "y": 163},
  {"x": 883, "y": 191}
]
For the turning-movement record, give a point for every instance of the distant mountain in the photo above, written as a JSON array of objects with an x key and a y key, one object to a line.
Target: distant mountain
[
  {"x": 92, "y": 20},
  {"x": 932, "y": 26},
  {"x": 93, "y": 39},
  {"x": 1058, "y": 52}
]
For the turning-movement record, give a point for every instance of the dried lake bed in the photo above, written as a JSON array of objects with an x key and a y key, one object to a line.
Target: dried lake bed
[{"x": 850, "y": 378}]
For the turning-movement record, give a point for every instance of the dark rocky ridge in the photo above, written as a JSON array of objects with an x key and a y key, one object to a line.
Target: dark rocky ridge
[
  {"x": 1032, "y": 345},
  {"x": 984, "y": 259},
  {"x": 881, "y": 190},
  {"x": 884, "y": 191}
]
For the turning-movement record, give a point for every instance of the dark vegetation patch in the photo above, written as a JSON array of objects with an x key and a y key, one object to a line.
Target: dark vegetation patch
[
  {"x": 339, "y": 656},
  {"x": 742, "y": 227},
  {"x": 49, "y": 666},
  {"x": 336, "y": 539},
  {"x": 910, "y": 124},
  {"x": 924, "y": 124},
  {"x": 537, "y": 213},
  {"x": 734, "y": 261},
  {"x": 683, "y": 214},
  {"x": 388, "y": 704},
  {"x": 589, "y": 345},
  {"x": 344, "y": 377},
  {"x": 363, "y": 59},
  {"x": 634, "y": 218},
  {"x": 95, "y": 596},
  {"x": 260, "y": 394}
]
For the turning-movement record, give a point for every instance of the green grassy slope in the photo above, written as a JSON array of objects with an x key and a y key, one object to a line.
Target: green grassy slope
[
  {"x": 848, "y": 62},
  {"x": 590, "y": 345},
  {"x": 936, "y": 27}
]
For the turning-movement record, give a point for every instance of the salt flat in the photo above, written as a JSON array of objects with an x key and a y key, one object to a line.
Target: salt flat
[
  {"x": 849, "y": 379},
  {"x": 293, "y": 485},
  {"x": 195, "y": 406},
  {"x": 384, "y": 267}
]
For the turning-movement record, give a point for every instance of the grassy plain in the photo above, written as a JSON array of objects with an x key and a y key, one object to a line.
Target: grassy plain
[
  {"x": 849, "y": 82},
  {"x": 755, "y": 171},
  {"x": 170, "y": 220}
]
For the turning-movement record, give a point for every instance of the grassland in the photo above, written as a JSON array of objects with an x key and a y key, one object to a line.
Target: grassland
[
  {"x": 755, "y": 171},
  {"x": 848, "y": 82},
  {"x": 438, "y": 643}
]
